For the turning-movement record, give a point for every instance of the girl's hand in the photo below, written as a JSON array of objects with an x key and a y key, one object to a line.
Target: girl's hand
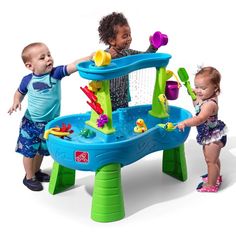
[
  {"x": 181, "y": 126},
  {"x": 14, "y": 107}
]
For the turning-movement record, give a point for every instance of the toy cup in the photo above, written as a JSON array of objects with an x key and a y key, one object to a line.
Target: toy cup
[
  {"x": 172, "y": 87},
  {"x": 102, "y": 58},
  {"x": 158, "y": 39},
  {"x": 172, "y": 90}
]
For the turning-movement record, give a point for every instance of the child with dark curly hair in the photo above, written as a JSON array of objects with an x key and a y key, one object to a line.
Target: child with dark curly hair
[{"x": 114, "y": 31}]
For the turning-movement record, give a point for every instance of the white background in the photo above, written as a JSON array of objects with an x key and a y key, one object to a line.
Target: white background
[{"x": 200, "y": 33}]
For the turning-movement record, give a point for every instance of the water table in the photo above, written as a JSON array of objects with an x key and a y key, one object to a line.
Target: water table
[{"x": 104, "y": 141}]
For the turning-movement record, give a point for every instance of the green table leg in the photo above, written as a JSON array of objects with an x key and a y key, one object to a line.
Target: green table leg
[
  {"x": 61, "y": 178},
  {"x": 108, "y": 204},
  {"x": 174, "y": 163}
]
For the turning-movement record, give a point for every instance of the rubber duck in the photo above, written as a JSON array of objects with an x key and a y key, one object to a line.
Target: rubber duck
[
  {"x": 141, "y": 126},
  {"x": 169, "y": 126},
  {"x": 164, "y": 102},
  {"x": 95, "y": 85}
]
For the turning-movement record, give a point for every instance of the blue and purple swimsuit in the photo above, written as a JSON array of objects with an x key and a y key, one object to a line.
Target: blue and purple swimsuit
[{"x": 212, "y": 129}]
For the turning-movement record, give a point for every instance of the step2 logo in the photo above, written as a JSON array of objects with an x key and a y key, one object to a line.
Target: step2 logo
[{"x": 82, "y": 157}]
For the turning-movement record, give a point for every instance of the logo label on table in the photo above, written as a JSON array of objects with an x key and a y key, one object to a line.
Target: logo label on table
[{"x": 82, "y": 157}]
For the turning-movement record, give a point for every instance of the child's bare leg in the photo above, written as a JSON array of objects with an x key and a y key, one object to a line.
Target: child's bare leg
[
  {"x": 211, "y": 153},
  {"x": 219, "y": 164},
  {"x": 29, "y": 181},
  {"x": 28, "y": 165},
  {"x": 41, "y": 176},
  {"x": 37, "y": 162}
]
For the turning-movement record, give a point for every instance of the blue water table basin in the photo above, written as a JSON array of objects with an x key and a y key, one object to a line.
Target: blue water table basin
[{"x": 121, "y": 139}]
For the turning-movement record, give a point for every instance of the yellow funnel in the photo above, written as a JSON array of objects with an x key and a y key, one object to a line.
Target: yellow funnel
[{"x": 102, "y": 58}]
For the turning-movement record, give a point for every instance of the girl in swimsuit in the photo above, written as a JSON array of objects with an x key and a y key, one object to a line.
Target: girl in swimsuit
[{"x": 211, "y": 131}]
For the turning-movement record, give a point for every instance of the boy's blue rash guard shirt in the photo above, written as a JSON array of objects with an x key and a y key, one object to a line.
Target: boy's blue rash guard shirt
[{"x": 44, "y": 94}]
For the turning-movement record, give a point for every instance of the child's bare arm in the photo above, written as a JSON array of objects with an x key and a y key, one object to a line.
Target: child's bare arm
[
  {"x": 71, "y": 68},
  {"x": 18, "y": 97},
  {"x": 207, "y": 110}
]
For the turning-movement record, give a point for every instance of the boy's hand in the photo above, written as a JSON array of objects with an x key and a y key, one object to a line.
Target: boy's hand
[
  {"x": 150, "y": 39},
  {"x": 113, "y": 52},
  {"x": 14, "y": 107},
  {"x": 91, "y": 57}
]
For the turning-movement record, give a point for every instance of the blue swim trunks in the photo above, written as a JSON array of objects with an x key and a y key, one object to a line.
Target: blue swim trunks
[{"x": 30, "y": 141}]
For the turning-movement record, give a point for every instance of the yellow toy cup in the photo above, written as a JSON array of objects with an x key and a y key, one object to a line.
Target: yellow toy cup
[{"x": 102, "y": 58}]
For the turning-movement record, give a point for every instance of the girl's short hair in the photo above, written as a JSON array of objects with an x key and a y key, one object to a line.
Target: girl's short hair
[
  {"x": 213, "y": 74},
  {"x": 107, "y": 26}
]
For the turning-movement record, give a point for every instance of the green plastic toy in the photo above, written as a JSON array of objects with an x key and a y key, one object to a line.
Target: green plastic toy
[
  {"x": 87, "y": 133},
  {"x": 183, "y": 75},
  {"x": 169, "y": 126}
]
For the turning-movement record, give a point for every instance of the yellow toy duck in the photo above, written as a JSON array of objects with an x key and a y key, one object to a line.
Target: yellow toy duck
[
  {"x": 95, "y": 85},
  {"x": 141, "y": 126},
  {"x": 164, "y": 102},
  {"x": 169, "y": 126}
]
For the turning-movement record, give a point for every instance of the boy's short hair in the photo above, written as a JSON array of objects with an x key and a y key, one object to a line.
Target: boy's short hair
[
  {"x": 107, "y": 26},
  {"x": 25, "y": 55}
]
